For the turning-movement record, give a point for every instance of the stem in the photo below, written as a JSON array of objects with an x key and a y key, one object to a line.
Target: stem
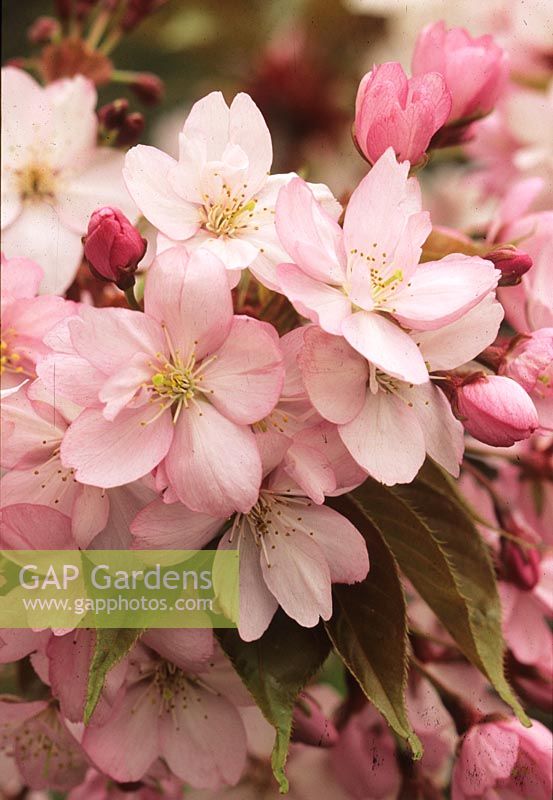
[
  {"x": 110, "y": 42},
  {"x": 123, "y": 75},
  {"x": 98, "y": 29}
]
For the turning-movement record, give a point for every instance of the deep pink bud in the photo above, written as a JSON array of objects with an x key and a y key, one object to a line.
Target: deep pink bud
[
  {"x": 310, "y": 725},
  {"x": 123, "y": 127},
  {"x": 113, "y": 247},
  {"x": 43, "y": 30},
  {"x": 511, "y": 262},
  {"x": 475, "y": 70},
  {"x": 521, "y": 565},
  {"x": 148, "y": 88},
  {"x": 495, "y": 410},
  {"x": 394, "y": 111}
]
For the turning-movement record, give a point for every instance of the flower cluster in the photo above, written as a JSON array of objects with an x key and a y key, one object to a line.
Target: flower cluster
[{"x": 269, "y": 373}]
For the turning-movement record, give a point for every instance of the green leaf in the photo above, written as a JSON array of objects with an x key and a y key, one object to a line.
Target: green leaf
[
  {"x": 437, "y": 546},
  {"x": 110, "y": 647},
  {"x": 275, "y": 668},
  {"x": 369, "y": 628}
]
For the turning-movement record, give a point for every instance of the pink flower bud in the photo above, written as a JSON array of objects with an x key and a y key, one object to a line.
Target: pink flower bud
[
  {"x": 511, "y": 262},
  {"x": 475, "y": 70},
  {"x": 521, "y": 565},
  {"x": 113, "y": 247},
  {"x": 394, "y": 111},
  {"x": 148, "y": 88},
  {"x": 310, "y": 726},
  {"x": 43, "y": 30},
  {"x": 495, "y": 410},
  {"x": 504, "y": 759},
  {"x": 123, "y": 127}
]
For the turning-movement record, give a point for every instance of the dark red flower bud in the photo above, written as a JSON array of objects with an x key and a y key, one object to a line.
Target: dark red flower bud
[
  {"x": 113, "y": 247},
  {"x": 310, "y": 725},
  {"x": 512, "y": 263},
  {"x": 124, "y": 128},
  {"x": 43, "y": 30},
  {"x": 137, "y": 10},
  {"x": 64, "y": 8},
  {"x": 148, "y": 88},
  {"x": 521, "y": 565}
]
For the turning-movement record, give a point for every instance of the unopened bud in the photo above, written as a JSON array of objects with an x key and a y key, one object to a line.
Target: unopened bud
[
  {"x": 113, "y": 247},
  {"x": 310, "y": 725},
  {"x": 494, "y": 409},
  {"x": 123, "y": 127},
  {"x": 521, "y": 565},
  {"x": 511, "y": 262},
  {"x": 148, "y": 88},
  {"x": 43, "y": 30}
]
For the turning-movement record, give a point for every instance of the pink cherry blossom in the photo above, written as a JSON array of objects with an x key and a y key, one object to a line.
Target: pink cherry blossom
[
  {"x": 32, "y": 432},
  {"x": 503, "y": 759},
  {"x": 53, "y": 174},
  {"x": 291, "y": 550},
  {"x": 176, "y": 382},
  {"x": 403, "y": 113},
  {"x": 219, "y": 193},
  {"x": 45, "y": 752},
  {"x": 365, "y": 282},
  {"x": 530, "y": 364},
  {"x": 25, "y": 319},
  {"x": 189, "y": 722},
  {"x": 378, "y": 415},
  {"x": 364, "y": 760},
  {"x": 475, "y": 70}
]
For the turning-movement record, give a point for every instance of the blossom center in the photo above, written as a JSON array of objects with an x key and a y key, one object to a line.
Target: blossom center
[
  {"x": 175, "y": 382},
  {"x": 37, "y": 181},
  {"x": 227, "y": 218},
  {"x": 383, "y": 283},
  {"x": 10, "y": 358}
]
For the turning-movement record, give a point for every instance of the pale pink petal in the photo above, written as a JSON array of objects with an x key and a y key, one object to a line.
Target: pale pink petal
[
  {"x": 118, "y": 391},
  {"x": 40, "y": 234},
  {"x": 298, "y": 575},
  {"x": 21, "y": 277},
  {"x": 16, "y": 643},
  {"x": 443, "y": 434},
  {"x": 341, "y": 543},
  {"x": 440, "y": 292},
  {"x": 38, "y": 767},
  {"x": 89, "y": 515},
  {"x": 71, "y": 655},
  {"x": 120, "y": 747},
  {"x": 109, "y": 337},
  {"x": 190, "y": 649},
  {"x": 27, "y": 439},
  {"x": 209, "y": 121},
  {"x": 191, "y": 296},
  {"x": 31, "y": 527},
  {"x": 310, "y": 236},
  {"x": 146, "y": 173},
  {"x": 26, "y": 116},
  {"x": 488, "y": 754},
  {"x": 234, "y": 253},
  {"x": 72, "y": 378},
  {"x": 385, "y": 345},
  {"x": 172, "y": 526},
  {"x": 213, "y": 464},
  {"x": 248, "y": 129},
  {"x": 74, "y": 122},
  {"x": 257, "y": 604},
  {"x": 124, "y": 502},
  {"x": 113, "y": 453},
  {"x": 378, "y": 211},
  {"x": 386, "y": 439},
  {"x": 192, "y": 749},
  {"x": 459, "y": 342},
  {"x": 325, "y": 305},
  {"x": 244, "y": 382},
  {"x": 100, "y": 184},
  {"x": 309, "y": 468},
  {"x": 334, "y": 374}
]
